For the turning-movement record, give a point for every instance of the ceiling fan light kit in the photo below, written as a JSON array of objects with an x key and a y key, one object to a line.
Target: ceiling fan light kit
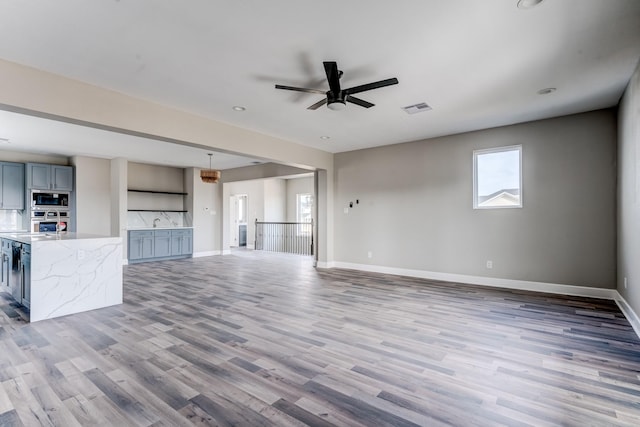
[{"x": 336, "y": 98}]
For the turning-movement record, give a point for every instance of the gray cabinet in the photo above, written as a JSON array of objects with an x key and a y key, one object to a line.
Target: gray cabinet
[
  {"x": 25, "y": 263},
  {"x": 162, "y": 240},
  {"x": 41, "y": 176},
  {"x": 181, "y": 242},
  {"x": 11, "y": 185},
  {"x": 5, "y": 266},
  {"x": 141, "y": 245},
  {"x": 151, "y": 245}
]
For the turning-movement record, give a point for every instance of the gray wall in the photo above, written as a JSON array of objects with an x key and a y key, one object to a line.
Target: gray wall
[
  {"x": 275, "y": 196},
  {"x": 415, "y": 209},
  {"x": 255, "y": 210},
  {"x": 296, "y": 186},
  {"x": 204, "y": 202},
  {"x": 93, "y": 195},
  {"x": 24, "y": 157},
  {"x": 629, "y": 193}
]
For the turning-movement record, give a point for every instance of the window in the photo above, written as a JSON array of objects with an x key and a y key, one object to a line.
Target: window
[
  {"x": 304, "y": 203},
  {"x": 242, "y": 209},
  {"x": 497, "y": 178}
]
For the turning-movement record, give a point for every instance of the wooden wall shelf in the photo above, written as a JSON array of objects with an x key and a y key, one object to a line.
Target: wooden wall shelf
[{"x": 158, "y": 192}]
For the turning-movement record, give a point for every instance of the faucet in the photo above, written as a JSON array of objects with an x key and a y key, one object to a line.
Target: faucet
[
  {"x": 155, "y": 222},
  {"x": 58, "y": 224}
]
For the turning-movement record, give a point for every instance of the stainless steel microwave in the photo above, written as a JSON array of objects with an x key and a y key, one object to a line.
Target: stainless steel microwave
[{"x": 49, "y": 200}]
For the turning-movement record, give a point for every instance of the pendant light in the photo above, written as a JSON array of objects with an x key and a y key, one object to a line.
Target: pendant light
[{"x": 210, "y": 176}]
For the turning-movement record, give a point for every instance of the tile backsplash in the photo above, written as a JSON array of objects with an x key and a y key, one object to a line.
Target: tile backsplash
[
  {"x": 161, "y": 218},
  {"x": 10, "y": 220}
]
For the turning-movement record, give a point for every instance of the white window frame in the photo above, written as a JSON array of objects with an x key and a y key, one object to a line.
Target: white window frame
[{"x": 477, "y": 153}]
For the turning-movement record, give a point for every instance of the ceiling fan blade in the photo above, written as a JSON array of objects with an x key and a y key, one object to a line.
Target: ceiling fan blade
[
  {"x": 370, "y": 86},
  {"x": 360, "y": 102},
  {"x": 302, "y": 89},
  {"x": 333, "y": 76},
  {"x": 317, "y": 104}
]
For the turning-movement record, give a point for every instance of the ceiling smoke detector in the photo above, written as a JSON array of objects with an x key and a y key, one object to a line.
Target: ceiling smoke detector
[{"x": 417, "y": 108}]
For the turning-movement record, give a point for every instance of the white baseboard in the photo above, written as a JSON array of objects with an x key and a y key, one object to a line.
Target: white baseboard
[
  {"x": 206, "y": 253},
  {"x": 226, "y": 252},
  {"x": 322, "y": 264},
  {"x": 628, "y": 312},
  {"x": 553, "y": 288},
  {"x": 524, "y": 285},
  {"x": 125, "y": 262}
]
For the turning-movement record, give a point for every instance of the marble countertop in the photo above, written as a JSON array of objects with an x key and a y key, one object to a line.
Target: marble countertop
[
  {"x": 51, "y": 237},
  {"x": 158, "y": 228}
]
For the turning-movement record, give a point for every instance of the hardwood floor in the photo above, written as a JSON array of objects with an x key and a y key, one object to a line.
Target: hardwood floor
[{"x": 255, "y": 339}]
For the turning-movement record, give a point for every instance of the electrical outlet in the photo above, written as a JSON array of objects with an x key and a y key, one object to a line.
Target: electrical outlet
[
  {"x": 625, "y": 283},
  {"x": 369, "y": 254},
  {"x": 346, "y": 210},
  {"x": 489, "y": 264}
]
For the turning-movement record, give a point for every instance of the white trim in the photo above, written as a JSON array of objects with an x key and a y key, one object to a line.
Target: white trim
[
  {"x": 628, "y": 312},
  {"x": 322, "y": 264},
  {"x": 205, "y": 253},
  {"x": 552, "y": 288},
  {"x": 251, "y": 246},
  {"x": 524, "y": 285},
  {"x": 125, "y": 261},
  {"x": 226, "y": 252}
]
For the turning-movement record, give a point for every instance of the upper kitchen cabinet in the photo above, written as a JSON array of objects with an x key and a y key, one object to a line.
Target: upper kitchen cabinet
[
  {"x": 49, "y": 177},
  {"x": 12, "y": 185}
]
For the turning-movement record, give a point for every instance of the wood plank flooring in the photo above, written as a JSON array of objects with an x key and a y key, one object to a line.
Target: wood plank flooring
[{"x": 262, "y": 339}]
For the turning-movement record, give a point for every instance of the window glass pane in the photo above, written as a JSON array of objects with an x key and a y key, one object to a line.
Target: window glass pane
[
  {"x": 242, "y": 209},
  {"x": 304, "y": 204},
  {"x": 497, "y": 178}
]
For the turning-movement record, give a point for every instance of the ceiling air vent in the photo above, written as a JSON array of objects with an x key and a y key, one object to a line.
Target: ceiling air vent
[{"x": 417, "y": 108}]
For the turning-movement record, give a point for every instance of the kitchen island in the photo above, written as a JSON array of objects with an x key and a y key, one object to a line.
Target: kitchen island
[{"x": 72, "y": 272}]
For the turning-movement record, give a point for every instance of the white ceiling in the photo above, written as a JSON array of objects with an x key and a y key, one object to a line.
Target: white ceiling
[{"x": 479, "y": 64}]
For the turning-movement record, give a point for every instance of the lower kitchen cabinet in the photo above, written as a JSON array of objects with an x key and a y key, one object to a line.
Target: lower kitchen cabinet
[
  {"x": 162, "y": 243},
  {"x": 5, "y": 269},
  {"x": 155, "y": 245},
  {"x": 181, "y": 242},
  {"x": 140, "y": 245}
]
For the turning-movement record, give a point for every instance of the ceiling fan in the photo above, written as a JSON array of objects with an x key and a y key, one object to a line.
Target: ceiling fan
[{"x": 336, "y": 98}]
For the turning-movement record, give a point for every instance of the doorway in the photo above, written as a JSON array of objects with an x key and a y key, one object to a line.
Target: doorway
[{"x": 238, "y": 206}]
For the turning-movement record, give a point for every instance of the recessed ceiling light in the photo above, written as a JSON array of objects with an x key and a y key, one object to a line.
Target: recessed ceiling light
[
  {"x": 528, "y": 4},
  {"x": 325, "y": 137},
  {"x": 546, "y": 91},
  {"x": 238, "y": 108}
]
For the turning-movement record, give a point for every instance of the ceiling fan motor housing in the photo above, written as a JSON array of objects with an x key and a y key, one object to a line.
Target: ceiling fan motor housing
[{"x": 336, "y": 101}]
